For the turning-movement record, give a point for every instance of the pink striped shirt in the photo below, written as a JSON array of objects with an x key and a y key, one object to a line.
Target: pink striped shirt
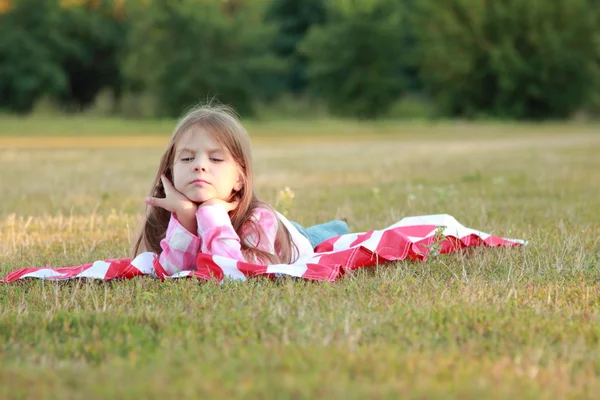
[{"x": 216, "y": 236}]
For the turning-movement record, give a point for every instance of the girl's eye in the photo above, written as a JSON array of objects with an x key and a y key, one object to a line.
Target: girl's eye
[
  {"x": 215, "y": 159},
  {"x": 187, "y": 159}
]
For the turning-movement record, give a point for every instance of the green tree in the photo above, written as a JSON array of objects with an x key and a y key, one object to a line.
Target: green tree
[
  {"x": 528, "y": 59},
  {"x": 32, "y": 46},
  {"x": 356, "y": 57},
  {"x": 66, "y": 53},
  {"x": 94, "y": 62},
  {"x": 293, "y": 19},
  {"x": 187, "y": 51}
]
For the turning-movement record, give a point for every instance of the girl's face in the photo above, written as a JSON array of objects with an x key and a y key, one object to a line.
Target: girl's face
[{"x": 203, "y": 169}]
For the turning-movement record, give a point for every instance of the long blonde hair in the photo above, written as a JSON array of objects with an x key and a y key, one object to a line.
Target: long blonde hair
[{"x": 227, "y": 130}]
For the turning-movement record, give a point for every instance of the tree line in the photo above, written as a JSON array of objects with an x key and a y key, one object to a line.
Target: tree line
[{"x": 516, "y": 59}]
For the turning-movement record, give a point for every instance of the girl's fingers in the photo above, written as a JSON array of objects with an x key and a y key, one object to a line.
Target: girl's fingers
[
  {"x": 166, "y": 183},
  {"x": 155, "y": 202},
  {"x": 234, "y": 204},
  {"x": 170, "y": 189},
  {"x": 229, "y": 206}
]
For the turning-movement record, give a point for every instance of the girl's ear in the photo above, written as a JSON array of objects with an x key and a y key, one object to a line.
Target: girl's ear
[{"x": 238, "y": 185}]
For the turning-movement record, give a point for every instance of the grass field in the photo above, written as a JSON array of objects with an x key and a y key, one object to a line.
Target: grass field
[{"x": 494, "y": 323}]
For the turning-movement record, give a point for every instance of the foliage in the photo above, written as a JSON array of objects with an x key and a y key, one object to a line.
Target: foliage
[
  {"x": 187, "y": 51},
  {"x": 509, "y": 59},
  {"x": 513, "y": 58},
  {"x": 294, "y": 18},
  {"x": 47, "y": 49},
  {"x": 355, "y": 57},
  {"x": 32, "y": 46},
  {"x": 94, "y": 62}
]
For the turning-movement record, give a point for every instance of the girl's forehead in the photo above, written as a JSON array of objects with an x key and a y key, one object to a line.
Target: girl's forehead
[{"x": 198, "y": 137}]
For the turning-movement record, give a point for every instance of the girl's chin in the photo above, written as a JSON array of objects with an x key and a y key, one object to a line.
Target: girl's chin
[
  {"x": 200, "y": 199},
  {"x": 197, "y": 197}
]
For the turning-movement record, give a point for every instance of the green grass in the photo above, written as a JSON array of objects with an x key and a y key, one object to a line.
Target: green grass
[
  {"x": 77, "y": 126},
  {"x": 490, "y": 323}
]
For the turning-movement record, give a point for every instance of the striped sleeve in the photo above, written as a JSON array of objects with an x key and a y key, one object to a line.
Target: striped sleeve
[
  {"x": 179, "y": 248},
  {"x": 219, "y": 238}
]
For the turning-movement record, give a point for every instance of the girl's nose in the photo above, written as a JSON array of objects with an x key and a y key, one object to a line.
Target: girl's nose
[{"x": 200, "y": 165}]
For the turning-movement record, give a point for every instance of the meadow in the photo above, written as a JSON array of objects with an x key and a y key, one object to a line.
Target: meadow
[{"x": 488, "y": 323}]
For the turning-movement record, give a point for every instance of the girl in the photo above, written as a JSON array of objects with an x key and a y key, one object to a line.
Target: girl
[{"x": 202, "y": 199}]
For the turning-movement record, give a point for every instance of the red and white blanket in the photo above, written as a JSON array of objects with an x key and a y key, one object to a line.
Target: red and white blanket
[{"x": 411, "y": 238}]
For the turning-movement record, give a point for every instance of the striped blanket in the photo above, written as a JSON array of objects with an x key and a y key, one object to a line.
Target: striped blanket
[{"x": 413, "y": 238}]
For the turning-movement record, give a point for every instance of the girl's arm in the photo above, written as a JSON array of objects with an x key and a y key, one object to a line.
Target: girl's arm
[
  {"x": 216, "y": 236},
  {"x": 180, "y": 246},
  {"x": 219, "y": 238}
]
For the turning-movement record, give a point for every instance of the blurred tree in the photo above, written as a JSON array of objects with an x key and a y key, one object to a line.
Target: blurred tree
[
  {"x": 187, "y": 51},
  {"x": 5, "y": 6},
  {"x": 94, "y": 63},
  {"x": 294, "y": 18},
  {"x": 356, "y": 57},
  {"x": 32, "y": 45},
  {"x": 513, "y": 58},
  {"x": 66, "y": 50},
  {"x": 593, "y": 107}
]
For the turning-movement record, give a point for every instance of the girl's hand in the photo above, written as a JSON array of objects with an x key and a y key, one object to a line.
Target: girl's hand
[
  {"x": 174, "y": 201},
  {"x": 228, "y": 206}
]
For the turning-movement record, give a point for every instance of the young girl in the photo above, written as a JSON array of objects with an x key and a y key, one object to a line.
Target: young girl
[{"x": 202, "y": 199}]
